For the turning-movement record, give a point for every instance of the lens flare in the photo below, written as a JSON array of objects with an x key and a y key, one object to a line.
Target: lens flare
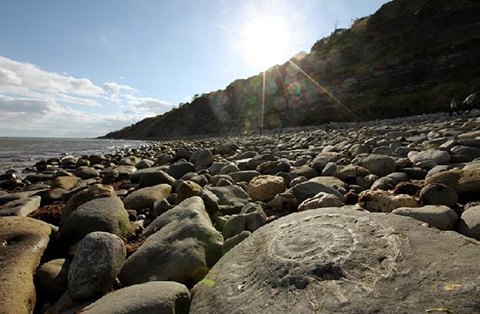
[{"x": 266, "y": 41}]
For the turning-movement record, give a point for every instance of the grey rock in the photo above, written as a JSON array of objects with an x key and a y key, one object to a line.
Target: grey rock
[
  {"x": 181, "y": 246},
  {"x": 364, "y": 263},
  {"x": 51, "y": 278},
  {"x": 470, "y": 152},
  {"x": 155, "y": 178},
  {"x": 469, "y": 223},
  {"x": 440, "y": 217},
  {"x": 156, "y": 297},
  {"x": 384, "y": 183},
  {"x": 440, "y": 157},
  {"x": 21, "y": 207},
  {"x": 144, "y": 163},
  {"x": 320, "y": 200},
  {"x": 146, "y": 197},
  {"x": 438, "y": 194},
  {"x": 329, "y": 169},
  {"x": 102, "y": 214},
  {"x": 178, "y": 169},
  {"x": 202, "y": 158},
  {"x": 311, "y": 188},
  {"x": 303, "y": 171},
  {"x": 160, "y": 207},
  {"x": 82, "y": 196},
  {"x": 231, "y": 199},
  {"x": 137, "y": 175},
  {"x": 98, "y": 260},
  {"x": 85, "y": 172},
  {"x": 230, "y": 243},
  {"x": 380, "y": 165},
  {"x": 129, "y": 161},
  {"x": 229, "y": 168},
  {"x": 234, "y": 225},
  {"x": 245, "y": 176}
]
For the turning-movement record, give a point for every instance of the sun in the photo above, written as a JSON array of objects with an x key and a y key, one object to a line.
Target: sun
[{"x": 266, "y": 41}]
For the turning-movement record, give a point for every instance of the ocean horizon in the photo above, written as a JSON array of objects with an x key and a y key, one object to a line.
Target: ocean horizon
[{"x": 18, "y": 153}]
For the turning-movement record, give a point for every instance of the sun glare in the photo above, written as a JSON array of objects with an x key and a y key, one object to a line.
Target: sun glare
[{"x": 266, "y": 42}]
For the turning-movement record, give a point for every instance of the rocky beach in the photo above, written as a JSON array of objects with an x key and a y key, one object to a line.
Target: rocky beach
[{"x": 361, "y": 217}]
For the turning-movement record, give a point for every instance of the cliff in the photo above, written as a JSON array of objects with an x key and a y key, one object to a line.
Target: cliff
[{"x": 410, "y": 57}]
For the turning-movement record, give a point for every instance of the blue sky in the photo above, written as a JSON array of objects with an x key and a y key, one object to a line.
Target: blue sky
[{"x": 83, "y": 68}]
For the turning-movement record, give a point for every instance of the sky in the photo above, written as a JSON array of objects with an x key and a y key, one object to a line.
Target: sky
[{"x": 85, "y": 68}]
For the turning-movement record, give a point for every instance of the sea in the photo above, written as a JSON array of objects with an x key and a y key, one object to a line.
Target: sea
[{"x": 18, "y": 153}]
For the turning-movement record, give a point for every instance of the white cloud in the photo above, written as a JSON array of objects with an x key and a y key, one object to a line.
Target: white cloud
[
  {"x": 113, "y": 89},
  {"x": 152, "y": 105},
  {"x": 24, "y": 105},
  {"x": 29, "y": 80},
  {"x": 35, "y": 102}
]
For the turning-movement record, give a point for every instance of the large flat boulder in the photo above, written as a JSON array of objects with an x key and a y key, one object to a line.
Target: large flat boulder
[
  {"x": 339, "y": 260},
  {"x": 21, "y": 207},
  {"x": 22, "y": 242}
]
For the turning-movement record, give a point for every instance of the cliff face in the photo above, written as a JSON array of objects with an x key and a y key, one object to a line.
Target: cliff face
[{"x": 410, "y": 57}]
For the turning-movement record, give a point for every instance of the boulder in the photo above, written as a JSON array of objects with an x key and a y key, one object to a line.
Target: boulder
[
  {"x": 343, "y": 261},
  {"x": 178, "y": 169},
  {"x": 187, "y": 189},
  {"x": 234, "y": 241},
  {"x": 284, "y": 202},
  {"x": 311, "y": 188},
  {"x": 51, "y": 278},
  {"x": 80, "y": 198},
  {"x": 85, "y": 172},
  {"x": 383, "y": 201},
  {"x": 181, "y": 246},
  {"x": 129, "y": 161},
  {"x": 320, "y": 200},
  {"x": 155, "y": 178},
  {"x": 264, "y": 188},
  {"x": 111, "y": 175},
  {"x": 231, "y": 199},
  {"x": 98, "y": 260},
  {"x": 438, "y": 194},
  {"x": 21, "y": 207},
  {"x": 22, "y": 243},
  {"x": 101, "y": 214},
  {"x": 303, "y": 171},
  {"x": 245, "y": 176},
  {"x": 469, "y": 223},
  {"x": 146, "y": 197},
  {"x": 144, "y": 163},
  {"x": 137, "y": 175},
  {"x": 381, "y": 165},
  {"x": 202, "y": 158},
  {"x": 351, "y": 172},
  {"x": 155, "y": 297},
  {"x": 65, "y": 182},
  {"x": 462, "y": 181},
  {"x": 440, "y": 217},
  {"x": 440, "y": 157}
]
